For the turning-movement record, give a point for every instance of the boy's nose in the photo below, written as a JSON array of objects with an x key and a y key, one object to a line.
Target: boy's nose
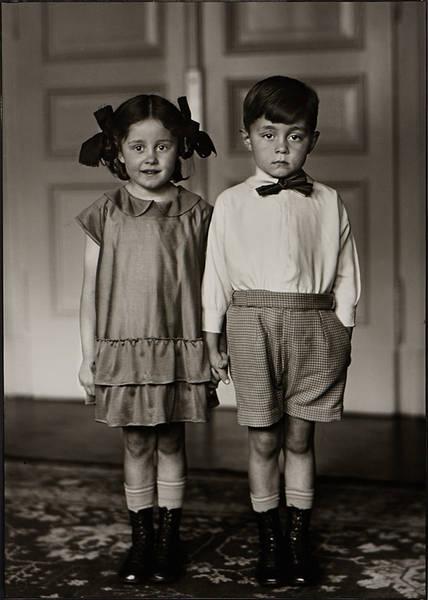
[{"x": 282, "y": 147}]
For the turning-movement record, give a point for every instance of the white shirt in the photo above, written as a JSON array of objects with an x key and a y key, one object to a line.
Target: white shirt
[{"x": 287, "y": 242}]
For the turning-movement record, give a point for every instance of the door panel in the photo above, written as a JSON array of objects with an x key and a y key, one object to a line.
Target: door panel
[
  {"x": 62, "y": 61},
  {"x": 347, "y": 59}
]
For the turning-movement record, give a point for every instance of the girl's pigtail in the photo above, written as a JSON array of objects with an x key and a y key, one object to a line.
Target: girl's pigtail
[
  {"x": 101, "y": 146},
  {"x": 193, "y": 140}
]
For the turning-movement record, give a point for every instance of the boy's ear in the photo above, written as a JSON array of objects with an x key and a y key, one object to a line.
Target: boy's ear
[
  {"x": 315, "y": 136},
  {"x": 246, "y": 138}
]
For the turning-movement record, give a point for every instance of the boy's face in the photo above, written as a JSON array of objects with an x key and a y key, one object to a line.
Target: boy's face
[{"x": 279, "y": 149}]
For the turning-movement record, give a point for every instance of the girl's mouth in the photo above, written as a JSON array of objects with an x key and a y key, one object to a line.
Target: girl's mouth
[{"x": 150, "y": 172}]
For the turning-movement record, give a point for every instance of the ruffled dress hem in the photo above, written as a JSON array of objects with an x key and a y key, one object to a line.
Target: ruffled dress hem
[{"x": 150, "y": 405}]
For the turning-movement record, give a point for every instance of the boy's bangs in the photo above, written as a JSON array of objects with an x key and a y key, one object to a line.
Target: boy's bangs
[{"x": 283, "y": 114}]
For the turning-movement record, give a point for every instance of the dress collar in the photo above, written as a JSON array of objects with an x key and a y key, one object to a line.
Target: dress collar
[
  {"x": 262, "y": 178},
  {"x": 135, "y": 207}
]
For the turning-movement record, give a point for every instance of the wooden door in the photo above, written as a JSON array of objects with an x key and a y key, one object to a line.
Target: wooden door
[
  {"x": 343, "y": 49},
  {"x": 61, "y": 61}
]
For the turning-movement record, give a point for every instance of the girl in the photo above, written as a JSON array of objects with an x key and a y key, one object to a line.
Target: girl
[{"x": 144, "y": 364}]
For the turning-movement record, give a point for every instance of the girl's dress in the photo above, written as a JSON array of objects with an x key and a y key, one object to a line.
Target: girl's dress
[{"x": 151, "y": 363}]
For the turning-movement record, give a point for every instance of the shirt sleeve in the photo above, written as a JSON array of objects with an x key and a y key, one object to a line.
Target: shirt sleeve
[
  {"x": 92, "y": 219},
  {"x": 216, "y": 286},
  {"x": 347, "y": 286}
]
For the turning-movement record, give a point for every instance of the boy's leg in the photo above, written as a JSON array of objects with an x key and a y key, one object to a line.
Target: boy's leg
[
  {"x": 299, "y": 493},
  {"x": 299, "y": 462},
  {"x": 264, "y": 447}
]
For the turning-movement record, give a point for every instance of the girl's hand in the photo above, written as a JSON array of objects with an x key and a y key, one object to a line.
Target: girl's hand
[
  {"x": 219, "y": 362},
  {"x": 86, "y": 377}
]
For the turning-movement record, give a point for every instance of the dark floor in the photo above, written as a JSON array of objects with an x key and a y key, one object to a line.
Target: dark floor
[{"x": 373, "y": 448}]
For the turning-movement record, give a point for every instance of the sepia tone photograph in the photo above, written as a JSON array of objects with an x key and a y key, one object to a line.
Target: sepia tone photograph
[{"x": 214, "y": 300}]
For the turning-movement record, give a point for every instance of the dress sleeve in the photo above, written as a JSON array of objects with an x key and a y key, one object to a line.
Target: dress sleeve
[
  {"x": 216, "y": 286},
  {"x": 347, "y": 286},
  {"x": 92, "y": 219}
]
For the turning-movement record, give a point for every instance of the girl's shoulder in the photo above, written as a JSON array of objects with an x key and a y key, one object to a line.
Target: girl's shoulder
[{"x": 188, "y": 201}]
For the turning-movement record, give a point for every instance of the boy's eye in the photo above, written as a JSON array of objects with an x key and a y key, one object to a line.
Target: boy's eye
[
  {"x": 296, "y": 137},
  {"x": 268, "y": 136}
]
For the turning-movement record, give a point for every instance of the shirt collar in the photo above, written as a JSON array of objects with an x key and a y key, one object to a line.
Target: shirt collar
[
  {"x": 135, "y": 207},
  {"x": 260, "y": 177}
]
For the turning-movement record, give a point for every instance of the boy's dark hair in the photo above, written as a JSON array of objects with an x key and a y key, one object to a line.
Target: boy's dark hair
[
  {"x": 281, "y": 99},
  {"x": 137, "y": 109}
]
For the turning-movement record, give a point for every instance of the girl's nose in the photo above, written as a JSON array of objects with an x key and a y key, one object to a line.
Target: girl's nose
[{"x": 150, "y": 157}]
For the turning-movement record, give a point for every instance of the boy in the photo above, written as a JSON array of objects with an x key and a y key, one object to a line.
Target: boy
[{"x": 282, "y": 262}]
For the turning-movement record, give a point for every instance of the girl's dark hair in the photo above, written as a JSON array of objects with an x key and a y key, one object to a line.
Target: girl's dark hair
[
  {"x": 132, "y": 111},
  {"x": 281, "y": 100}
]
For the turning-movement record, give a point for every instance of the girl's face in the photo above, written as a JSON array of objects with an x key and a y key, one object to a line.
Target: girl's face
[{"x": 149, "y": 153}]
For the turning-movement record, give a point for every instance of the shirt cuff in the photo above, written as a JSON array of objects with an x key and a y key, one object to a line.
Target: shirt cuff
[
  {"x": 346, "y": 315},
  {"x": 212, "y": 321}
]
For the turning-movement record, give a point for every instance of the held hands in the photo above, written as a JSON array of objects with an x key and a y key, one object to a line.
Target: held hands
[
  {"x": 219, "y": 362},
  {"x": 86, "y": 377}
]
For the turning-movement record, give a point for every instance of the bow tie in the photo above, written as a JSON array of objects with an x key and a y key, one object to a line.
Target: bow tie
[{"x": 297, "y": 182}]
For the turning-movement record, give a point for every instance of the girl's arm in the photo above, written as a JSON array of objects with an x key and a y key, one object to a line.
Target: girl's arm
[{"x": 87, "y": 316}]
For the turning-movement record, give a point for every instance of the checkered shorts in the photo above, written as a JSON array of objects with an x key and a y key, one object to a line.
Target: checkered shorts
[{"x": 289, "y": 354}]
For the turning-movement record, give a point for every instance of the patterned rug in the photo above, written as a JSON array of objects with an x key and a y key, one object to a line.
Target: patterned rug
[{"x": 67, "y": 530}]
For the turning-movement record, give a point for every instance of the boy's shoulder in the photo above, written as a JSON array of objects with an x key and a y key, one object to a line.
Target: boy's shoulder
[
  {"x": 324, "y": 190},
  {"x": 239, "y": 190}
]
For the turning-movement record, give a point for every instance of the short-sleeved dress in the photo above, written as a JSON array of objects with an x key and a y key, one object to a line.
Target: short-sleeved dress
[{"x": 151, "y": 363}]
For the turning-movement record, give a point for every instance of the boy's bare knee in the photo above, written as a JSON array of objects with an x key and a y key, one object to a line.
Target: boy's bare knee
[
  {"x": 298, "y": 444},
  {"x": 264, "y": 444}
]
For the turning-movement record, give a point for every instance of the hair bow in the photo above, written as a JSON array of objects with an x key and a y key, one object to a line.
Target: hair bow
[
  {"x": 194, "y": 139},
  {"x": 100, "y": 146}
]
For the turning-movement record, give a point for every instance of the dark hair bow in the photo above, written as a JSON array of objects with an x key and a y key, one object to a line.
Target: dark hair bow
[
  {"x": 194, "y": 139},
  {"x": 100, "y": 146}
]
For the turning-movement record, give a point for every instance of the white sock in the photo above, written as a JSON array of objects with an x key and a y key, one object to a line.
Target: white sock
[
  {"x": 302, "y": 499},
  {"x": 139, "y": 498},
  {"x": 264, "y": 503},
  {"x": 171, "y": 493}
]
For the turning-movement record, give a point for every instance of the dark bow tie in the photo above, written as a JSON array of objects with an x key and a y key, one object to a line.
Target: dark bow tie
[{"x": 297, "y": 182}]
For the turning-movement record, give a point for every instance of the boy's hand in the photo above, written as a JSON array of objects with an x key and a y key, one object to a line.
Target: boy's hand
[
  {"x": 219, "y": 362},
  {"x": 86, "y": 377}
]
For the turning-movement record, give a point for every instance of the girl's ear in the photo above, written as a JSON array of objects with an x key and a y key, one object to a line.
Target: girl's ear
[
  {"x": 246, "y": 139},
  {"x": 120, "y": 157},
  {"x": 315, "y": 136}
]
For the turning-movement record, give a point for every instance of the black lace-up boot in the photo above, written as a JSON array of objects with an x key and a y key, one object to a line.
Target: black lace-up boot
[
  {"x": 168, "y": 553},
  {"x": 269, "y": 571},
  {"x": 300, "y": 563},
  {"x": 138, "y": 563}
]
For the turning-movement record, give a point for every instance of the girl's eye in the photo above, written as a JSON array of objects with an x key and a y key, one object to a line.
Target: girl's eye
[
  {"x": 268, "y": 136},
  {"x": 138, "y": 148},
  {"x": 162, "y": 147}
]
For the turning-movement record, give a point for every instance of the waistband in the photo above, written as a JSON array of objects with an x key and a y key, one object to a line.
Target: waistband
[{"x": 289, "y": 300}]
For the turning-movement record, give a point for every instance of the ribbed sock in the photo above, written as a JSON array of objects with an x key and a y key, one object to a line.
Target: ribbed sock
[
  {"x": 171, "y": 493},
  {"x": 264, "y": 503},
  {"x": 302, "y": 499},
  {"x": 139, "y": 498}
]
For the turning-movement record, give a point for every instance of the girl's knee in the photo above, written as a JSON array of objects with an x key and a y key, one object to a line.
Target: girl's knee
[
  {"x": 171, "y": 439},
  {"x": 138, "y": 442}
]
